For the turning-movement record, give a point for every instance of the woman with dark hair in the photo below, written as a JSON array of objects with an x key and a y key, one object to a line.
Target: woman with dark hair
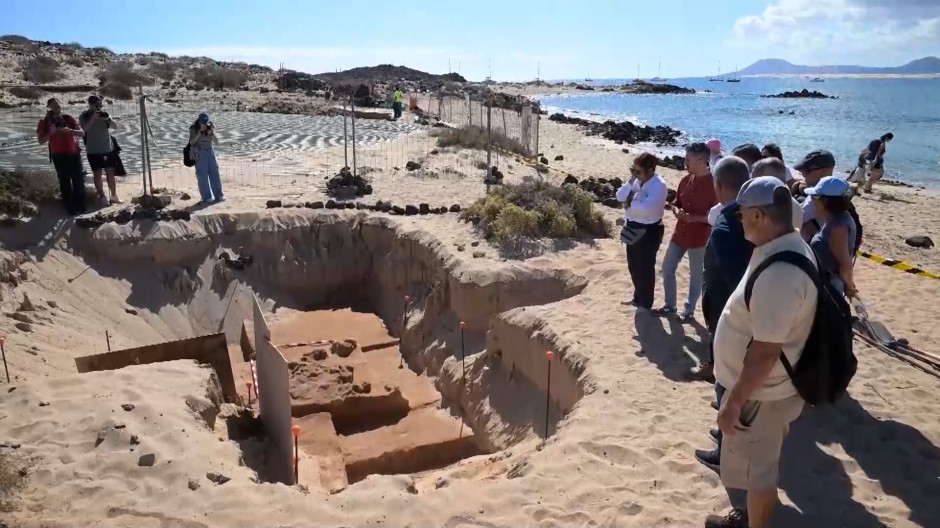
[
  {"x": 772, "y": 150},
  {"x": 874, "y": 158},
  {"x": 834, "y": 244},
  {"x": 645, "y": 199},
  {"x": 201, "y": 141}
]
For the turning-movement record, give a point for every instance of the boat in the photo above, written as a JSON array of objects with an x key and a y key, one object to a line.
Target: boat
[
  {"x": 817, "y": 79},
  {"x": 658, "y": 79},
  {"x": 717, "y": 79},
  {"x": 733, "y": 79}
]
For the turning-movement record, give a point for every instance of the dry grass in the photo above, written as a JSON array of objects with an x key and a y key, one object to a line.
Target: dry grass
[
  {"x": 41, "y": 70},
  {"x": 219, "y": 78},
  {"x": 27, "y": 92},
  {"x": 22, "y": 190},
  {"x": 116, "y": 90},
  {"x": 122, "y": 73},
  {"x": 475, "y": 137},
  {"x": 165, "y": 70},
  {"x": 76, "y": 61},
  {"x": 535, "y": 210},
  {"x": 14, "y": 470}
]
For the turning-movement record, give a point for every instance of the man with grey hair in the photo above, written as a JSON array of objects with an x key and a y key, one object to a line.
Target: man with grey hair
[
  {"x": 754, "y": 332},
  {"x": 776, "y": 168},
  {"x": 726, "y": 256}
]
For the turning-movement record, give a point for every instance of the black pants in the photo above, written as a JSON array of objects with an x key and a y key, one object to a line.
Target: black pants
[
  {"x": 641, "y": 261},
  {"x": 68, "y": 167}
]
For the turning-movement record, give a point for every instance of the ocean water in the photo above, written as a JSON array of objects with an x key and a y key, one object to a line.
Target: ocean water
[{"x": 736, "y": 114}]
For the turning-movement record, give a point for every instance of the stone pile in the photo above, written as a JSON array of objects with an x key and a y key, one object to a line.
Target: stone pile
[{"x": 346, "y": 186}]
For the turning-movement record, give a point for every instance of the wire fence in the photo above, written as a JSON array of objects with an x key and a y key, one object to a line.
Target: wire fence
[{"x": 278, "y": 152}]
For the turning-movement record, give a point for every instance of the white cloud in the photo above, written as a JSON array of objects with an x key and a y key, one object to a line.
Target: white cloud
[{"x": 866, "y": 32}]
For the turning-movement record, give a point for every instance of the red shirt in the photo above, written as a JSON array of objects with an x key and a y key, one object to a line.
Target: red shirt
[
  {"x": 695, "y": 195},
  {"x": 61, "y": 142}
]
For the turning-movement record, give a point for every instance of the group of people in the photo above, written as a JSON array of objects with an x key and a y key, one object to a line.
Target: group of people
[
  {"x": 94, "y": 126},
  {"x": 733, "y": 213}
]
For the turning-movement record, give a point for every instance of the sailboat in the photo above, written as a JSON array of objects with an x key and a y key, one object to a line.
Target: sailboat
[
  {"x": 817, "y": 78},
  {"x": 658, "y": 72},
  {"x": 717, "y": 79},
  {"x": 734, "y": 78}
]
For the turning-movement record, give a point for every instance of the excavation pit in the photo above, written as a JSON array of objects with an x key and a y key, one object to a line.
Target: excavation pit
[{"x": 360, "y": 410}]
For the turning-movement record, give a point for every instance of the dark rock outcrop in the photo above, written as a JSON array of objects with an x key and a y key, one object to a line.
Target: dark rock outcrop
[
  {"x": 802, "y": 94},
  {"x": 919, "y": 241},
  {"x": 346, "y": 186},
  {"x": 623, "y": 132}
]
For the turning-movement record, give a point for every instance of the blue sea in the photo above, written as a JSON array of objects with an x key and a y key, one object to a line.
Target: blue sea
[{"x": 735, "y": 113}]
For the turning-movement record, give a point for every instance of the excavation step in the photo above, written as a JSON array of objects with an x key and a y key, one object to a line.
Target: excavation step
[{"x": 428, "y": 438}]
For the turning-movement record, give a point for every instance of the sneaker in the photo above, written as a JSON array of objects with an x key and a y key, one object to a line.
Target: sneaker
[
  {"x": 665, "y": 311},
  {"x": 709, "y": 458},
  {"x": 715, "y": 405},
  {"x": 631, "y": 302},
  {"x": 703, "y": 372},
  {"x": 687, "y": 317},
  {"x": 115, "y": 199},
  {"x": 219, "y": 199},
  {"x": 716, "y": 435},
  {"x": 735, "y": 519}
]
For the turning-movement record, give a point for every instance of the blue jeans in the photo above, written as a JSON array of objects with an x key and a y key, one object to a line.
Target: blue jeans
[
  {"x": 207, "y": 174},
  {"x": 696, "y": 267}
]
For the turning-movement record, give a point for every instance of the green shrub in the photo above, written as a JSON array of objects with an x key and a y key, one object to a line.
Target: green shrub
[
  {"x": 537, "y": 209},
  {"x": 122, "y": 73},
  {"x": 27, "y": 92},
  {"x": 76, "y": 61},
  {"x": 165, "y": 70},
  {"x": 22, "y": 190},
  {"x": 117, "y": 90},
  {"x": 41, "y": 70},
  {"x": 219, "y": 78},
  {"x": 475, "y": 137}
]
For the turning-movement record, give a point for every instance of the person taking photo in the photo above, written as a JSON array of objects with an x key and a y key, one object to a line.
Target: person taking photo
[
  {"x": 59, "y": 130},
  {"x": 99, "y": 148}
]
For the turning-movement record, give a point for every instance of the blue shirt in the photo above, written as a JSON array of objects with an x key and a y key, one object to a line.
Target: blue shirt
[{"x": 820, "y": 244}]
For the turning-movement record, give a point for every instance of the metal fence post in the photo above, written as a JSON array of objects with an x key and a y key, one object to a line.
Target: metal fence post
[
  {"x": 489, "y": 138},
  {"x": 353, "y": 112},
  {"x": 440, "y": 104},
  {"x": 525, "y": 132},
  {"x": 143, "y": 142},
  {"x": 469, "y": 110},
  {"x": 538, "y": 117},
  {"x": 345, "y": 136}
]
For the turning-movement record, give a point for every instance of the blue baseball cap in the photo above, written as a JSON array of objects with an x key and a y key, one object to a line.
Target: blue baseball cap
[
  {"x": 759, "y": 192},
  {"x": 203, "y": 118},
  {"x": 829, "y": 186}
]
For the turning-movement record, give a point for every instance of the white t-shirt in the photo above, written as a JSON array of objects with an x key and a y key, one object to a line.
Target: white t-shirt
[
  {"x": 782, "y": 309},
  {"x": 649, "y": 200},
  {"x": 714, "y": 212}
]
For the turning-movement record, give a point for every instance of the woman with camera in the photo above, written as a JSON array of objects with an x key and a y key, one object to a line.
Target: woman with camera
[
  {"x": 59, "y": 131},
  {"x": 201, "y": 141}
]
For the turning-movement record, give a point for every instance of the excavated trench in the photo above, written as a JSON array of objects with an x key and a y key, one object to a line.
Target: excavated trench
[{"x": 378, "y": 385}]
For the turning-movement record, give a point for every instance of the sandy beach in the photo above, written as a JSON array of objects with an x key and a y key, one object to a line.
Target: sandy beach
[{"x": 625, "y": 422}]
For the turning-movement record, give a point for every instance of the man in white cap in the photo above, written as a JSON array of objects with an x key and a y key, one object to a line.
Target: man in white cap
[{"x": 760, "y": 400}]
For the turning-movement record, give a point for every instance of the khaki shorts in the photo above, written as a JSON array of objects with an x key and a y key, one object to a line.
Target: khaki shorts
[{"x": 749, "y": 459}]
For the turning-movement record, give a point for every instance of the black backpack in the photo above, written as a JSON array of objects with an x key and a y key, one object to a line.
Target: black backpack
[
  {"x": 187, "y": 158},
  {"x": 828, "y": 363}
]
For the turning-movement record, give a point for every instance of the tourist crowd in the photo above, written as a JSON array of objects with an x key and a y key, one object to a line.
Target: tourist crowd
[{"x": 770, "y": 250}]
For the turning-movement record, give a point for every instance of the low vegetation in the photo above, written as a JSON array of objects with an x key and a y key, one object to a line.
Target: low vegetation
[
  {"x": 116, "y": 90},
  {"x": 27, "y": 92},
  {"x": 475, "y": 137},
  {"x": 76, "y": 61},
  {"x": 41, "y": 70},
  {"x": 537, "y": 209},
  {"x": 23, "y": 190},
  {"x": 122, "y": 73},
  {"x": 164, "y": 70},
  {"x": 219, "y": 78}
]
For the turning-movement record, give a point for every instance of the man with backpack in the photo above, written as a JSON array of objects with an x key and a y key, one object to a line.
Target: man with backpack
[
  {"x": 99, "y": 147},
  {"x": 752, "y": 337}
]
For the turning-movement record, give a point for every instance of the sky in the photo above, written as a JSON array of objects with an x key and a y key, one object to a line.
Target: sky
[{"x": 509, "y": 40}]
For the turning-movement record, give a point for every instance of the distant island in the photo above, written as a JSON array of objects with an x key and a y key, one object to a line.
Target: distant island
[{"x": 924, "y": 66}]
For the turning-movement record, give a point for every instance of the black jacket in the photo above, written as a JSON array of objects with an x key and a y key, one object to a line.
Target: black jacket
[{"x": 727, "y": 254}]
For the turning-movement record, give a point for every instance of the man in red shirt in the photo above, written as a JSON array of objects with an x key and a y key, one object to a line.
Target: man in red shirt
[
  {"x": 59, "y": 131},
  {"x": 695, "y": 195}
]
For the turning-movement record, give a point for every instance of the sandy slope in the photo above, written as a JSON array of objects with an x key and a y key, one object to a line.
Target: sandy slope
[{"x": 622, "y": 457}]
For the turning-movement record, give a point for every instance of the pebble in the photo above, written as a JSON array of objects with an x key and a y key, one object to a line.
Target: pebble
[
  {"x": 478, "y": 254},
  {"x": 147, "y": 460},
  {"x": 25, "y": 327},
  {"x": 218, "y": 478},
  {"x": 43, "y": 403},
  {"x": 127, "y": 406},
  {"x": 460, "y": 248},
  {"x": 193, "y": 484},
  {"x": 101, "y": 436},
  {"x": 475, "y": 243},
  {"x": 135, "y": 440},
  {"x": 120, "y": 425}
]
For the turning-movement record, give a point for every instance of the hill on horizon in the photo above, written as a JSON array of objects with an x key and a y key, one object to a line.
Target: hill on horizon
[{"x": 926, "y": 65}]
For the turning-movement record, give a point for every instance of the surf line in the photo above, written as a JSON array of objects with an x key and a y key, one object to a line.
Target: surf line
[{"x": 899, "y": 265}]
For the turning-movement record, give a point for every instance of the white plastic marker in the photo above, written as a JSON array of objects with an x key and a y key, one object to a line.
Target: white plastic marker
[{"x": 548, "y": 389}]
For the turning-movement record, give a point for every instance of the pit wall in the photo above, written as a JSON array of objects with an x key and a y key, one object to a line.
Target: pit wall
[
  {"x": 274, "y": 403},
  {"x": 307, "y": 259}
]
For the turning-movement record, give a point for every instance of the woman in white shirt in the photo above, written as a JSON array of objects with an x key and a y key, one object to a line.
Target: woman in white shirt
[{"x": 645, "y": 197}]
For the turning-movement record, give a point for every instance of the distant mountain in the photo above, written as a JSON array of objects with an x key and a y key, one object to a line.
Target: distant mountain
[{"x": 927, "y": 65}]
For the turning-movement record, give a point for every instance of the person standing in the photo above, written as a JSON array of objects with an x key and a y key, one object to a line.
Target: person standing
[
  {"x": 201, "y": 141},
  {"x": 59, "y": 131},
  {"x": 776, "y": 168},
  {"x": 749, "y": 153},
  {"x": 99, "y": 148},
  {"x": 714, "y": 148},
  {"x": 695, "y": 196},
  {"x": 760, "y": 400},
  {"x": 815, "y": 166},
  {"x": 834, "y": 244},
  {"x": 772, "y": 150},
  {"x": 397, "y": 102},
  {"x": 645, "y": 199}
]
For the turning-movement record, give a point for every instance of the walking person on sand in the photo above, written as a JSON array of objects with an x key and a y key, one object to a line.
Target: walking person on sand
[
  {"x": 760, "y": 400},
  {"x": 59, "y": 130},
  {"x": 873, "y": 157},
  {"x": 645, "y": 199},
  {"x": 201, "y": 141},
  {"x": 695, "y": 196},
  {"x": 99, "y": 148},
  {"x": 397, "y": 102}
]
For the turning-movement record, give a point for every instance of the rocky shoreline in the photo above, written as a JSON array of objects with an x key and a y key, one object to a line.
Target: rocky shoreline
[
  {"x": 802, "y": 94},
  {"x": 623, "y": 132}
]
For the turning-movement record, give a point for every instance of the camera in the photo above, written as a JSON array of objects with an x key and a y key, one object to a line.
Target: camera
[
  {"x": 103, "y": 115},
  {"x": 54, "y": 120}
]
